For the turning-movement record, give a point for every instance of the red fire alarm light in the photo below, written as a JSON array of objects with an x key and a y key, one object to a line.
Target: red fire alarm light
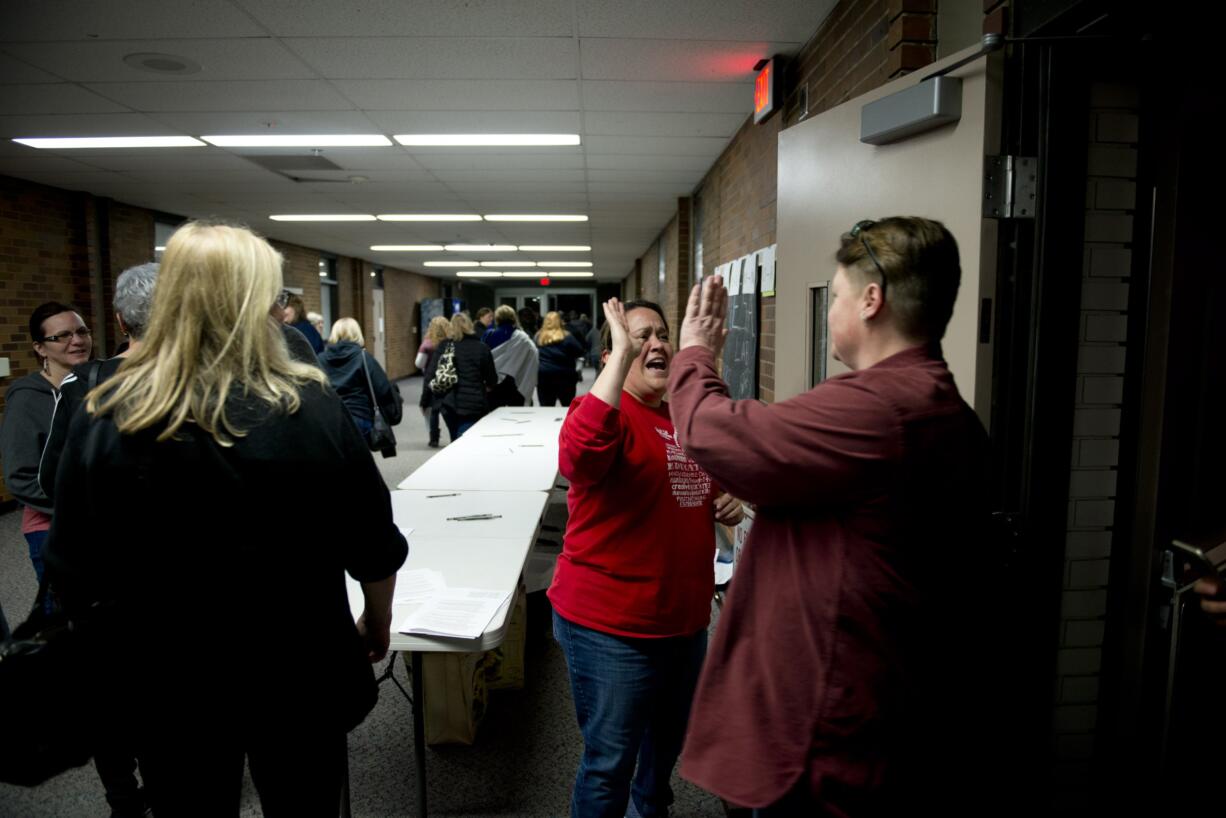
[{"x": 545, "y": 281}]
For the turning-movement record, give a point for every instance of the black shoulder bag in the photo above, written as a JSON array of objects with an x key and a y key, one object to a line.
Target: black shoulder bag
[{"x": 380, "y": 438}]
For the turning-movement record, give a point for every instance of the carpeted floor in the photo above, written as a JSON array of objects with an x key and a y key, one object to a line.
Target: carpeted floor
[{"x": 524, "y": 758}]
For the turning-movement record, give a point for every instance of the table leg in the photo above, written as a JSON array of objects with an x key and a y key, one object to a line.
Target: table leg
[{"x": 419, "y": 733}]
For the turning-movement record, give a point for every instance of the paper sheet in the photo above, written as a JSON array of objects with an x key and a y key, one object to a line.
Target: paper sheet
[
  {"x": 457, "y": 612},
  {"x": 417, "y": 585},
  {"x": 749, "y": 274},
  {"x": 768, "y": 269},
  {"x": 733, "y": 278}
]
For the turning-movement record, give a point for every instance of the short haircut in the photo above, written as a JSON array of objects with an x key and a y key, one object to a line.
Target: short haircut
[
  {"x": 606, "y": 332},
  {"x": 134, "y": 297},
  {"x": 919, "y": 258},
  {"x": 295, "y": 302},
  {"x": 41, "y": 313},
  {"x": 484, "y": 311},
  {"x": 347, "y": 329},
  {"x": 461, "y": 325},
  {"x": 505, "y": 315}
]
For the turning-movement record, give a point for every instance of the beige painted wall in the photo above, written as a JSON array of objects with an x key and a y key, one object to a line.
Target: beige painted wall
[{"x": 829, "y": 180}]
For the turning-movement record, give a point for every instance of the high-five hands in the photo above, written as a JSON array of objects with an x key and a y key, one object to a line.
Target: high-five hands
[
  {"x": 624, "y": 346},
  {"x": 703, "y": 325},
  {"x": 727, "y": 509}
]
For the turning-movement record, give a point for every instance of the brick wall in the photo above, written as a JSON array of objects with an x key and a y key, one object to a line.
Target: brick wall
[{"x": 1107, "y": 261}]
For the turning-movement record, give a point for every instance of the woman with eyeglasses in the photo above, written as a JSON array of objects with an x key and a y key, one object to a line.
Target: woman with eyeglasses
[
  {"x": 838, "y": 680},
  {"x": 169, "y": 544},
  {"x": 61, "y": 341}
]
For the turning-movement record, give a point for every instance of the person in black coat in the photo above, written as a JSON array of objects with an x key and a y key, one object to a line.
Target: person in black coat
[
  {"x": 346, "y": 364},
  {"x": 468, "y": 400},
  {"x": 559, "y": 351}
]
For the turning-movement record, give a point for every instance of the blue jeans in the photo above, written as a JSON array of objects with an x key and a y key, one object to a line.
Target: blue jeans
[
  {"x": 36, "y": 540},
  {"x": 632, "y": 699}
]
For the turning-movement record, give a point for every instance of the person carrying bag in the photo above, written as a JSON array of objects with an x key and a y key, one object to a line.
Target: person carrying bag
[{"x": 373, "y": 401}]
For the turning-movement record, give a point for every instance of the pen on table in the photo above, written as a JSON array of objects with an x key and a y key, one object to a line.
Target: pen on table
[
  {"x": 432, "y": 496},
  {"x": 476, "y": 517}
]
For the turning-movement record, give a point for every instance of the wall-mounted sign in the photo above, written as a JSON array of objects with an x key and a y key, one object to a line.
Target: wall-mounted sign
[{"x": 766, "y": 90}]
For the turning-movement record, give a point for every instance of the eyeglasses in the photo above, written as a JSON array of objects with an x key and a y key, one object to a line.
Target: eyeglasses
[
  {"x": 858, "y": 232},
  {"x": 65, "y": 337},
  {"x": 283, "y": 298}
]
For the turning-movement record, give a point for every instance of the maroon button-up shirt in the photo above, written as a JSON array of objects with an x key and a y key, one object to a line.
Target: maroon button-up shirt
[{"x": 833, "y": 658}]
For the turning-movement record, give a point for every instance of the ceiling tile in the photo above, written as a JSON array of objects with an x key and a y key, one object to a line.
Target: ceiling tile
[
  {"x": 562, "y": 158},
  {"x": 624, "y": 123},
  {"x": 257, "y": 95},
  {"x": 73, "y": 125},
  {"x": 224, "y": 59},
  {"x": 503, "y": 176},
  {"x": 13, "y": 70},
  {"x": 190, "y": 160},
  {"x": 666, "y": 145},
  {"x": 494, "y": 58},
  {"x": 631, "y": 161},
  {"x": 270, "y": 121},
  {"x": 646, "y": 176},
  {"x": 154, "y": 19},
  {"x": 415, "y": 18},
  {"x": 53, "y": 99},
  {"x": 787, "y": 20},
  {"x": 672, "y": 97},
  {"x": 16, "y": 165},
  {"x": 462, "y": 95},
  {"x": 394, "y": 122},
  {"x": 681, "y": 61}
]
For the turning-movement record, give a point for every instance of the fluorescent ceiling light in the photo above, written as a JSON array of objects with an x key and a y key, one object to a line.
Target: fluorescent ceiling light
[
  {"x": 340, "y": 140},
  {"x": 112, "y": 142},
  {"x": 568, "y": 274},
  {"x": 508, "y": 264},
  {"x": 537, "y": 274},
  {"x": 564, "y": 264},
  {"x": 478, "y": 274},
  {"x": 480, "y": 248},
  {"x": 529, "y": 217},
  {"x": 453, "y": 264},
  {"x": 555, "y": 248},
  {"x": 406, "y": 248},
  {"x": 322, "y": 217},
  {"x": 159, "y": 249},
  {"x": 468, "y": 140},
  {"x": 429, "y": 217}
]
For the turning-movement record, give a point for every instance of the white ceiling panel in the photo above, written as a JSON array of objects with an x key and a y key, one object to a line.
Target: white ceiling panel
[
  {"x": 636, "y": 175},
  {"x": 693, "y": 61},
  {"x": 703, "y": 19},
  {"x": 268, "y": 122},
  {"x": 503, "y": 58},
  {"x": 394, "y": 122},
  {"x": 92, "y": 19},
  {"x": 630, "y": 161},
  {"x": 376, "y": 180},
  {"x": 498, "y": 176},
  {"x": 13, "y": 70},
  {"x": 710, "y": 147},
  {"x": 77, "y": 125},
  {"x": 672, "y": 97},
  {"x": 54, "y": 99},
  {"x": 255, "y": 95},
  {"x": 598, "y": 190},
  {"x": 17, "y": 165},
  {"x": 563, "y": 158},
  {"x": 462, "y": 95},
  {"x": 177, "y": 160},
  {"x": 225, "y": 59},
  {"x": 626, "y": 123},
  {"x": 71, "y": 179},
  {"x": 373, "y": 159},
  {"x": 415, "y": 18}
]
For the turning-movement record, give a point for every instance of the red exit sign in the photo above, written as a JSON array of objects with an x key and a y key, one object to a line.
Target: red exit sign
[{"x": 766, "y": 90}]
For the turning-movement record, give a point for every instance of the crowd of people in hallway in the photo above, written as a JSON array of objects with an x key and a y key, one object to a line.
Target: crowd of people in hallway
[{"x": 830, "y": 686}]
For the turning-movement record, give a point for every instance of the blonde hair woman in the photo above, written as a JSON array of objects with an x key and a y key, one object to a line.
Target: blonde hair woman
[
  {"x": 171, "y": 502},
  {"x": 356, "y": 376},
  {"x": 431, "y": 404},
  {"x": 559, "y": 352}
]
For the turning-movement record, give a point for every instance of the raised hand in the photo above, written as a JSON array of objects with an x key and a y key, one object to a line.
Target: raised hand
[
  {"x": 704, "y": 316},
  {"x": 624, "y": 346}
]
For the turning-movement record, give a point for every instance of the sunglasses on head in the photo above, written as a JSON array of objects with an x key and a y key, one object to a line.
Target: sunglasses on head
[{"x": 857, "y": 231}]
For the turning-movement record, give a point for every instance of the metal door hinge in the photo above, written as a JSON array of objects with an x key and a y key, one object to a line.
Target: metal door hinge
[{"x": 1009, "y": 185}]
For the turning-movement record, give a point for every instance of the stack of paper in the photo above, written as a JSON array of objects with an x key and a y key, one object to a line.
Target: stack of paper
[{"x": 457, "y": 612}]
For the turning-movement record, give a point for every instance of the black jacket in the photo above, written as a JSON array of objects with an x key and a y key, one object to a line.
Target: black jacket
[
  {"x": 558, "y": 359},
  {"x": 343, "y": 364},
  {"x": 233, "y": 572},
  {"x": 474, "y": 366}
]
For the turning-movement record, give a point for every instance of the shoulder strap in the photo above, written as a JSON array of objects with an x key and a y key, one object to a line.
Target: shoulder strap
[
  {"x": 93, "y": 370},
  {"x": 374, "y": 402}
]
